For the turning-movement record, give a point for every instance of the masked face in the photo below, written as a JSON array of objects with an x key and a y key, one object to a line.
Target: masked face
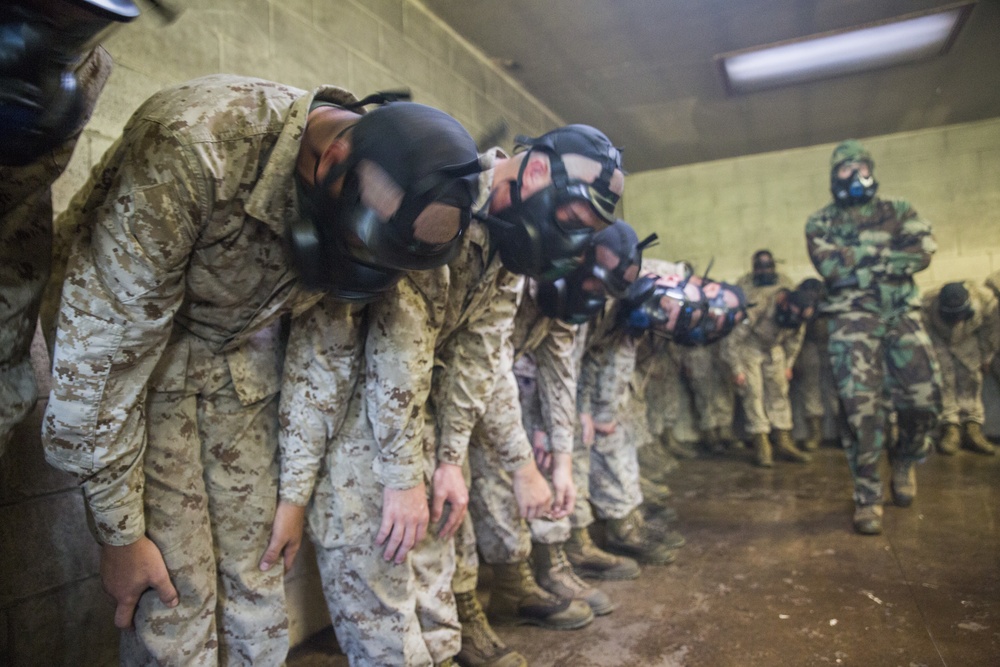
[
  {"x": 726, "y": 307},
  {"x": 793, "y": 310},
  {"x": 572, "y": 299},
  {"x": 41, "y": 105},
  {"x": 853, "y": 183},
  {"x": 952, "y": 318}
]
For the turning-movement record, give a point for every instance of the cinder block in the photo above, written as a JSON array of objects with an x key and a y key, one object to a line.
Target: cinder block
[
  {"x": 396, "y": 55},
  {"x": 295, "y": 51},
  {"x": 125, "y": 91},
  {"x": 46, "y": 545},
  {"x": 183, "y": 50},
  {"x": 426, "y": 32},
  {"x": 68, "y": 627},
  {"x": 346, "y": 24},
  {"x": 389, "y": 12},
  {"x": 367, "y": 75},
  {"x": 973, "y": 137}
]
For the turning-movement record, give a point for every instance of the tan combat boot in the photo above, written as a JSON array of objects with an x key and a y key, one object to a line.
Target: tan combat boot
[
  {"x": 904, "y": 483},
  {"x": 785, "y": 446},
  {"x": 593, "y": 562},
  {"x": 680, "y": 450},
  {"x": 976, "y": 441},
  {"x": 950, "y": 440},
  {"x": 868, "y": 519},
  {"x": 481, "y": 647},
  {"x": 815, "y": 426},
  {"x": 518, "y": 599},
  {"x": 654, "y": 463},
  {"x": 631, "y": 537},
  {"x": 762, "y": 451},
  {"x": 554, "y": 573}
]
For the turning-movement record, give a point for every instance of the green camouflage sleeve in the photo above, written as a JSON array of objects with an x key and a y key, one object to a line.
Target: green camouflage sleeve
[
  {"x": 466, "y": 370},
  {"x": 837, "y": 250},
  {"x": 399, "y": 354},
  {"x": 557, "y": 385},
  {"x": 322, "y": 364},
  {"x": 989, "y": 333},
  {"x": 124, "y": 283},
  {"x": 910, "y": 249}
]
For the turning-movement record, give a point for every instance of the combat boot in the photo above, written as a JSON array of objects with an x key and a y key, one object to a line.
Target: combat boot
[
  {"x": 653, "y": 462},
  {"x": 654, "y": 493},
  {"x": 518, "y": 599},
  {"x": 815, "y": 427},
  {"x": 976, "y": 441},
  {"x": 785, "y": 446},
  {"x": 868, "y": 519},
  {"x": 724, "y": 434},
  {"x": 904, "y": 483},
  {"x": 631, "y": 537},
  {"x": 950, "y": 440},
  {"x": 592, "y": 562},
  {"x": 681, "y": 450},
  {"x": 481, "y": 647},
  {"x": 554, "y": 573},
  {"x": 762, "y": 451}
]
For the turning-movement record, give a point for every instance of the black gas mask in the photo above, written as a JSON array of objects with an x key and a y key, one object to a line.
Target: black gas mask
[
  {"x": 350, "y": 246},
  {"x": 643, "y": 309},
  {"x": 954, "y": 304},
  {"x": 853, "y": 190},
  {"x": 41, "y": 104},
  {"x": 764, "y": 269},
  {"x": 726, "y": 308},
  {"x": 529, "y": 236},
  {"x": 583, "y": 293},
  {"x": 797, "y": 308}
]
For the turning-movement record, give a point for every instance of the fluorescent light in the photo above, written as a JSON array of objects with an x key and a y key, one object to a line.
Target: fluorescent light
[{"x": 905, "y": 39}]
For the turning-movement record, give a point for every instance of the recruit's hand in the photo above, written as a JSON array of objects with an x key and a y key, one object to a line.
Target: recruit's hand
[
  {"x": 788, "y": 374},
  {"x": 740, "y": 380},
  {"x": 129, "y": 571},
  {"x": 562, "y": 484},
  {"x": 587, "y": 428},
  {"x": 286, "y": 535},
  {"x": 531, "y": 491},
  {"x": 404, "y": 521},
  {"x": 606, "y": 428},
  {"x": 543, "y": 457},
  {"x": 449, "y": 487}
]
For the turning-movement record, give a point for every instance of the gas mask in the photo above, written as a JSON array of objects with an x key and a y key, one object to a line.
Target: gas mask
[
  {"x": 569, "y": 300},
  {"x": 954, "y": 304},
  {"x": 670, "y": 311},
  {"x": 530, "y": 238},
  {"x": 854, "y": 189},
  {"x": 41, "y": 104},
  {"x": 726, "y": 306},
  {"x": 798, "y": 307},
  {"x": 349, "y": 245}
]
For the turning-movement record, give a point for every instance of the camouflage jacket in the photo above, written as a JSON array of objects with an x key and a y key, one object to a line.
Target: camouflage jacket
[
  {"x": 544, "y": 347},
  {"x": 181, "y": 239},
  {"x": 466, "y": 331},
  {"x": 972, "y": 342},
  {"x": 758, "y": 294},
  {"x": 606, "y": 368},
  {"x": 868, "y": 254},
  {"x": 752, "y": 341}
]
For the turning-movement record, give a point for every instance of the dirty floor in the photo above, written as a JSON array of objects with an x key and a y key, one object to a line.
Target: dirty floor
[{"x": 773, "y": 575}]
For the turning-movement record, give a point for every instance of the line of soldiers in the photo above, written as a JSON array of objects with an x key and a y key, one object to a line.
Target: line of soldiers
[{"x": 285, "y": 309}]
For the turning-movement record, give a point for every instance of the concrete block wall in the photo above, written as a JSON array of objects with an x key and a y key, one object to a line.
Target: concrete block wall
[
  {"x": 52, "y": 610},
  {"x": 729, "y": 208}
]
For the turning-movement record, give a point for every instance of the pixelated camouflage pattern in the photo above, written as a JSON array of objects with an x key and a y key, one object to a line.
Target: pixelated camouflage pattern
[
  {"x": 813, "y": 379},
  {"x": 209, "y": 502},
  {"x": 176, "y": 286},
  {"x": 762, "y": 351},
  {"x": 759, "y": 294},
  {"x": 25, "y": 251},
  {"x": 203, "y": 162},
  {"x": 963, "y": 350},
  {"x": 710, "y": 379}
]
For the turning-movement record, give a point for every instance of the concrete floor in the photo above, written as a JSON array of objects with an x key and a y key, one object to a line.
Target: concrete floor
[{"x": 774, "y": 575}]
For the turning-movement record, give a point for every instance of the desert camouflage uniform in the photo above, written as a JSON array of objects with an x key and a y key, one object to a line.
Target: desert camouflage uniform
[
  {"x": 710, "y": 379},
  {"x": 758, "y": 294},
  {"x": 168, "y": 355},
  {"x": 813, "y": 379},
  {"x": 613, "y": 467},
  {"x": 546, "y": 388},
  {"x": 878, "y": 348},
  {"x": 963, "y": 350},
  {"x": 25, "y": 252},
  {"x": 762, "y": 351}
]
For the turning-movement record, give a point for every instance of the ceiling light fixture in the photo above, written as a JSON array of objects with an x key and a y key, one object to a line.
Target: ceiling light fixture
[{"x": 892, "y": 42}]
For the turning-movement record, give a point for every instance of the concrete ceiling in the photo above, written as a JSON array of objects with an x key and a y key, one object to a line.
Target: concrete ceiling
[{"x": 643, "y": 71}]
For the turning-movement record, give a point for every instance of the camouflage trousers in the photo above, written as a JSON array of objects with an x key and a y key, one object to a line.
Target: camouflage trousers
[
  {"x": 813, "y": 381},
  {"x": 211, "y": 488},
  {"x": 383, "y": 613},
  {"x": 614, "y": 474},
  {"x": 961, "y": 390},
  {"x": 883, "y": 364},
  {"x": 765, "y": 394},
  {"x": 713, "y": 391}
]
